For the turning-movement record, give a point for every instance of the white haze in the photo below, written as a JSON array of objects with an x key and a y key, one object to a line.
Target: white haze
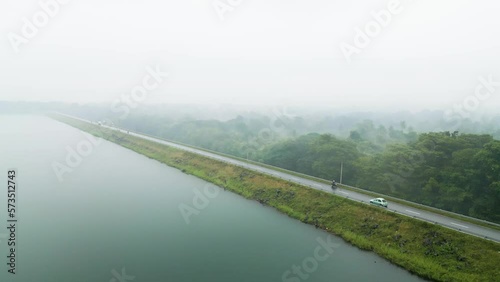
[{"x": 265, "y": 52}]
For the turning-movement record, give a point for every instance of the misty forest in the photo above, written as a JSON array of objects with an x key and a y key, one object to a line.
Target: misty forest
[
  {"x": 247, "y": 141},
  {"x": 417, "y": 157},
  {"x": 454, "y": 171}
]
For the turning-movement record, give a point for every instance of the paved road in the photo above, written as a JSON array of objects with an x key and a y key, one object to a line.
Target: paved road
[{"x": 449, "y": 222}]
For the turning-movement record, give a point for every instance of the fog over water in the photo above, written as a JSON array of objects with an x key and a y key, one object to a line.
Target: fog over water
[
  {"x": 397, "y": 97},
  {"x": 120, "y": 210}
]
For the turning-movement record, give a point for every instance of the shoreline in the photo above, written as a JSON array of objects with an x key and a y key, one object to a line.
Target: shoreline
[{"x": 424, "y": 249}]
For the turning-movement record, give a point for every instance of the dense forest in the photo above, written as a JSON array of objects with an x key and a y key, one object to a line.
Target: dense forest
[
  {"x": 448, "y": 170},
  {"x": 451, "y": 171},
  {"x": 410, "y": 156}
]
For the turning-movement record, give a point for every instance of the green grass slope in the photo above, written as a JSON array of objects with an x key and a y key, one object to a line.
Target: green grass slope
[{"x": 428, "y": 250}]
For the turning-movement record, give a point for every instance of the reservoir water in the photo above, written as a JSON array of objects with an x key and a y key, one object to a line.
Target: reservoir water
[{"x": 115, "y": 215}]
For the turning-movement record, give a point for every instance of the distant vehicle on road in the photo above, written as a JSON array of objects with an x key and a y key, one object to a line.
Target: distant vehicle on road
[
  {"x": 334, "y": 185},
  {"x": 379, "y": 202}
]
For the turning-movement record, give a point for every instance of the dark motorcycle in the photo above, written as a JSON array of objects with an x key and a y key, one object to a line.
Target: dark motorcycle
[{"x": 334, "y": 185}]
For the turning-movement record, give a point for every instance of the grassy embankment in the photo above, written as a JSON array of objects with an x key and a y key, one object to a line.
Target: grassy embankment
[
  {"x": 428, "y": 250},
  {"x": 347, "y": 187}
]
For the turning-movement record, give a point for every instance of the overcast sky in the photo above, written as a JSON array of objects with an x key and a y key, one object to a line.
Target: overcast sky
[{"x": 428, "y": 55}]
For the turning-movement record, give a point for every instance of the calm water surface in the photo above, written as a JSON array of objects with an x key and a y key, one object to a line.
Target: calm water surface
[{"x": 116, "y": 217}]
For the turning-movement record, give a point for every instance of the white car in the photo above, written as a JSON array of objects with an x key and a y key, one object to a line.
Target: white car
[{"x": 379, "y": 202}]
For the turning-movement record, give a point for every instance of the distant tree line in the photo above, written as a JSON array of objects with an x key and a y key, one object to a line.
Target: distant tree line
[
  {"x": 451, "y": 171},
  {"x": 455, "y": 171},
  {"x": 448, "y": 170}
]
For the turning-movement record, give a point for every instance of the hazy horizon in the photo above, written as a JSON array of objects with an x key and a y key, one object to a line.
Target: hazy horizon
[
  {"x": 237, "y": 140},
  {"x": 427, "y": 56}
]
